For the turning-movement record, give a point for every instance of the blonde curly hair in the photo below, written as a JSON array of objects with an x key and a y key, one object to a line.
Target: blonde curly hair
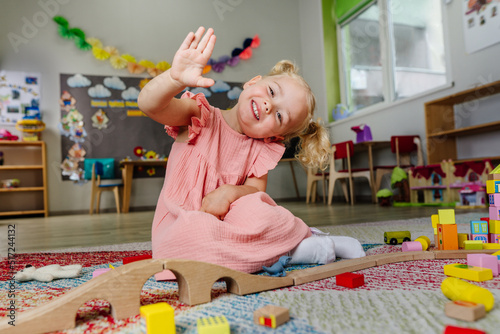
[{"x": 314, "y": 145}]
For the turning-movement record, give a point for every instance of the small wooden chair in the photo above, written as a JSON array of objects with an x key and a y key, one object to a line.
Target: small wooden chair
[
  {"x": 98, "y": 188},
  {"x": 344, "y": 151},
  {"x": 403, "y": 147},
  {"x": 313, "y": 176}
]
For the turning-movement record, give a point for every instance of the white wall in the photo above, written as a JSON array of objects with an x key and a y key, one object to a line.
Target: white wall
[
  {"x": 408, "y": 117},
  {"x": 153, "y": 30}
]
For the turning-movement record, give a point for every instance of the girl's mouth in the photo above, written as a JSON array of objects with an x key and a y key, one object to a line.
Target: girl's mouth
[{"x": 255, "y": 110}]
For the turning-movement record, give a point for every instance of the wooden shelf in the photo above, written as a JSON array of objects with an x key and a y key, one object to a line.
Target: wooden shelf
[
  {"x": 20, "y": 167},
  {"x": 471, "y": 130},
  {"x": 21, "y": 189},
  {"x": 20, "y": 213},
  {"x": 25, "y": 161}
]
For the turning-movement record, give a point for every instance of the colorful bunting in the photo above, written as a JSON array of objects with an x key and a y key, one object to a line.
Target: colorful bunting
[{"x": 122, "y": 61}]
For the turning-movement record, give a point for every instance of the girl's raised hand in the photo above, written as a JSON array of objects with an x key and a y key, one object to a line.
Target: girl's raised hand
[{"x": 191, "y": 58}]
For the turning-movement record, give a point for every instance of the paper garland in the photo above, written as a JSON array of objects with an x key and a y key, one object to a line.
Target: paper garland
[{"x": 129, "y": 62}]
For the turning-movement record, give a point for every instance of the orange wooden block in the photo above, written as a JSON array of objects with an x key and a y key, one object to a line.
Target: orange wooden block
[{"x": 447, "y": 237}]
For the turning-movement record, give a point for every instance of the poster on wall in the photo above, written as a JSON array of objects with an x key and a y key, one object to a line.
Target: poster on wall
[
  {"x": 481, "y": 21},
  {"x": 19, "y": 96},
  {"x": 100, "y": 119}
]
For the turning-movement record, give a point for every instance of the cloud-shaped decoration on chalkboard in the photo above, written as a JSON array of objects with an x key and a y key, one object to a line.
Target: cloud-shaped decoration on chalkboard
[
  {"x": 114, "y": 83},
  {"x": 78, "y": 80},
  {"x": 131, "y": 93},
  {"x": 220, "y": 87},
  {"x": 99, "y": 91},
  {"x": 205, "y": 91},
  {"x": 234, "y": 93}
]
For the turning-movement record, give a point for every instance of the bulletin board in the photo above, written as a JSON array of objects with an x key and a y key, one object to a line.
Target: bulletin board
[
  {"x": 481, "y": 21},
  {"x": 19, "y": 93},
  {"x": 100, "y": 119}
]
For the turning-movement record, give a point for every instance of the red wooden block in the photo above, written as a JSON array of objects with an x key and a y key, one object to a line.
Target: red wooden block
[
  {"x": 136, "y": 258},
  {"x": 461, "y": 330},
  {"x": 350, "y": 280}
]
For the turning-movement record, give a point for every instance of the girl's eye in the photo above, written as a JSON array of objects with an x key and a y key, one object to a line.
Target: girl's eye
[
  {"x": 278, "y": 114},
  {"x": 271, "y": 91}
]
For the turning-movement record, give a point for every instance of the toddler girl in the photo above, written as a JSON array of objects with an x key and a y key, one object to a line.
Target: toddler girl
[{"x": 213, "y": 206}]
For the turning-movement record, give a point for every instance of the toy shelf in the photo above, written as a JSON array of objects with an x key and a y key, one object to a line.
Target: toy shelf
[
  {"x": 441, "y": 132},
  {"x": 26, "y": 162}
]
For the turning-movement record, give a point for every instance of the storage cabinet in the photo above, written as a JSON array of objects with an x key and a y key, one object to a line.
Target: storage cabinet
[
  {"x": 440, "y": 124},
  {"x": 25, "y": 161}
]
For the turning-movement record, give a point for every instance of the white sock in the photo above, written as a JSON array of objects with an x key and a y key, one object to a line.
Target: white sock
[
  {"x": 315, "y": 249},
  {"x": 347, "y": 247}
]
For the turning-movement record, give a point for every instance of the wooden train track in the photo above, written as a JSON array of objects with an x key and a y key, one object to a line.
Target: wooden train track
[{"x": 122, "y": 286}]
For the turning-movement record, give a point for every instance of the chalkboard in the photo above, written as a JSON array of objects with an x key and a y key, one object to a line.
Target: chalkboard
[{"x": 100, "y": 119}]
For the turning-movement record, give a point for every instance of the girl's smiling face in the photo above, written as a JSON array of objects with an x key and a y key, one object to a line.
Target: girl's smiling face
[{"x": 271, "y": 107}]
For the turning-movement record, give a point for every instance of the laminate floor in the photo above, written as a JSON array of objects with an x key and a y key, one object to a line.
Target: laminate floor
[{"x": 59, "y": 232}]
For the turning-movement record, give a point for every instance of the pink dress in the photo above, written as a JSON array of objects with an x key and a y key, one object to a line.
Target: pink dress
[{"x": 255, "y": 232}]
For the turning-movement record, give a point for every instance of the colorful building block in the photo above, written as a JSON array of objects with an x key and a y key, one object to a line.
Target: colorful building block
[
  {"x": 462, "y": 237},
  {"x": 473, "y": 244},
  {"x": 352, "y": 280},
  {"x": 463, "y": 310},
  {"x": 411, "y": 246},
  {"x": 494, "y": 199},
  {"x": 456, "y": 289},
  {"x": 157, "y": 318},
  {"x": 494, "y": 226},
  {"x": 447, "y": 236},
  {"x": 424, "y": 241},
  {"x": 271, "y": 316},
  {"x": 449, "y": 329},
  {"x": 479, "y": 237},
  {"x": 446, "y": 216},
  {"x": 483, "y": 261},
  {"x": 489, "y": 245},
  {"x": 478, "y": 227},
  {"x": 99, "y": 271},
  {"x": 493, "y": 186},
  {"x": 495, "y": 238},
  {"x": 213, "y": 325},
  {"x": 470, "y": 273},
  {"x": 494, "y": 212}
]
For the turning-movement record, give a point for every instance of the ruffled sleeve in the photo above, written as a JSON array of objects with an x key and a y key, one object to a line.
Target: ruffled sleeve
[
  {"x": 267, "y": 159},
  {"x": 197, "y": 123}
]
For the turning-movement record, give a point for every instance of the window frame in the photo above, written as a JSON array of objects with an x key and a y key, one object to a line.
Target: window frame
[{"x": 388, "y": 61}]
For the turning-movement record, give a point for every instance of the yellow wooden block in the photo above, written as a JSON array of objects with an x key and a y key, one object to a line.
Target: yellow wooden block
[
  {"x": 473, "y": 244},
  {"x": 462, "y": 237},
  {"x": 496, "y": 253},
  {"x": 494, "y": 226},
  {"x": 490, "y": 245},
  {"x": 493, "y": 186},
  {"x": 435, "y": 222},
  {"x": 213, "y": 325},
  {"x": 157, "y": 318},
  {"x": 470, "y": 273},
  {"x": 446, "y": 216}
]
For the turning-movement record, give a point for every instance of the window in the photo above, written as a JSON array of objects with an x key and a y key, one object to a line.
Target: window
[{"x": 391, "y": 50}]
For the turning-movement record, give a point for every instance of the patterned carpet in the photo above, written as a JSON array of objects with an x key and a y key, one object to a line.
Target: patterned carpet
[{"x": 396, "y": 298}]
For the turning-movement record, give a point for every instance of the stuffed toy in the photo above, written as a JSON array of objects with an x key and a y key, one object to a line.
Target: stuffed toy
[
  {"x": 48, "y": 273},
  {"x": 278, "y": 269}
]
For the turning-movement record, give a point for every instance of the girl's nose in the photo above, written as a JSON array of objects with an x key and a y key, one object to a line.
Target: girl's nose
[{"x": 267, "y": 107}]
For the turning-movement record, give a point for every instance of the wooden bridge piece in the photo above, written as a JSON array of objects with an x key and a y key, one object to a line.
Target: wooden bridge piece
[
  {"x": 121, "y": 287},
  {"x": 196, "y": 279}
]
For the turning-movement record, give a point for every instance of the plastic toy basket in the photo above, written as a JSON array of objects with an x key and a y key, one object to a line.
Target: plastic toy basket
[{"x": 31, "y": 129}]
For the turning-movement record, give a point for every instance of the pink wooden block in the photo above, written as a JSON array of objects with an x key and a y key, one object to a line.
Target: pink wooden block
[
  {"x": 483, "y": 261},
  {"x": 495, "y": 238},
  {"x": 494, "y": 199},
  {"x": 494, "y": 212},
  {"x": 100, "y": 271},
  {"x": 409, "y": 246}
]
